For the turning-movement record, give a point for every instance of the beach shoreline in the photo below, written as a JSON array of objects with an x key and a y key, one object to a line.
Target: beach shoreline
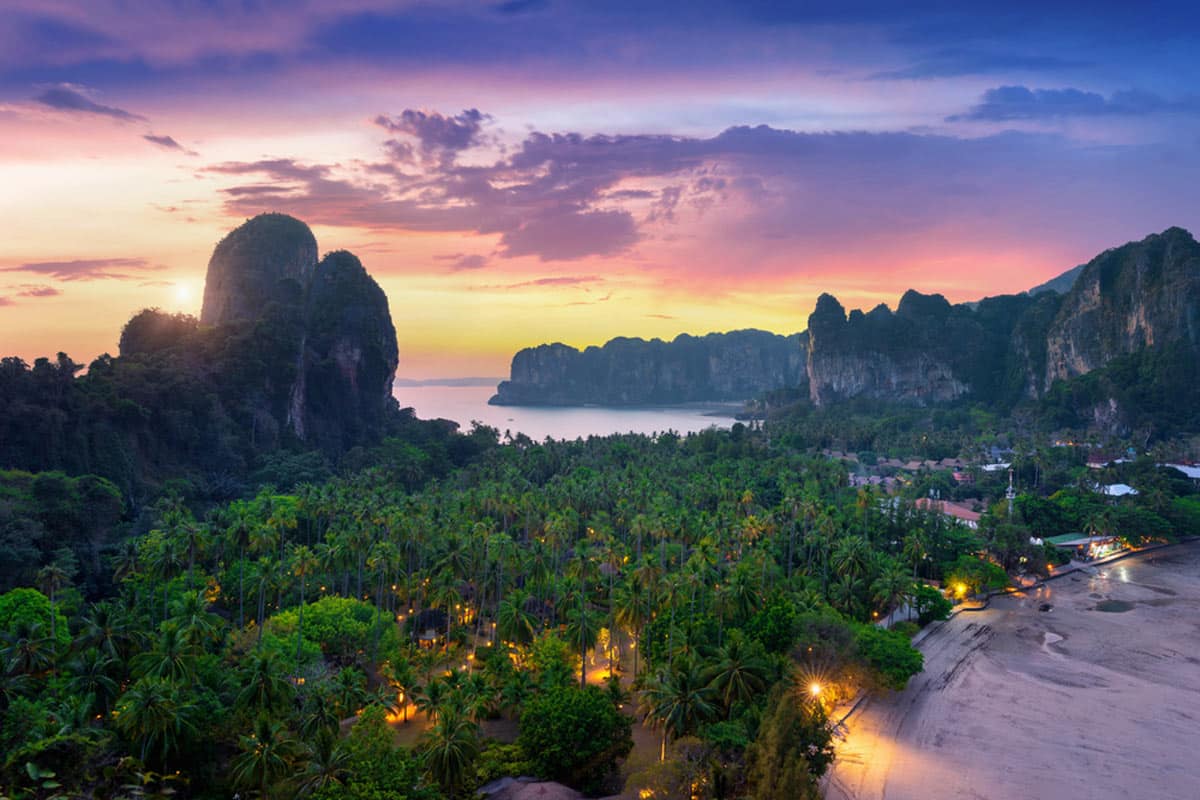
[{"x": 1097, "y": 696}]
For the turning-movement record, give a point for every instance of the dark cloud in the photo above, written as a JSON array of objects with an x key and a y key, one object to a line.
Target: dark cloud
[
  {"x": 520, "y": 6},
  {"x": 168, "y": 143},
  {"x": 1008, "y": 103},
  {"x": 461, "y": 262},
  {"x": 87, "y": 269},
  {"x": 954, "y": 63},
  {"x": 68, "y": 98},
  {"x": 439, "y": 135}
]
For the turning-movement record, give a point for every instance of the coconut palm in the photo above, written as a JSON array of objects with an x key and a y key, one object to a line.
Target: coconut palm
[
  {"x": 27, "y": 649},
  {"x": 109, "y": 629},
  {"x": 156, "y": 716},
  {"x": 172, "y": 657},
  {"x": 304, "y": 562},
  {"x": 264, "y": 689},
  {"x": 328, "y": 765},
  {"x": 448, "y": 752},
  {"x": 514, "y": 621},
  {"x": 738, "y": 672},
  {"x": 93, "y": 675},
  {"x": 268, "y": 756},
  {"x": 678, "y": 700},
  {"x": 51, "y": 578}
]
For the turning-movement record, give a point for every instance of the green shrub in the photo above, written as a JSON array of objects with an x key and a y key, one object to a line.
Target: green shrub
[{"x": 575, "y": 736}]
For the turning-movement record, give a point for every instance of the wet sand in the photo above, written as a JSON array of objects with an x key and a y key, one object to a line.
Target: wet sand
[{"x": 1096, "y": 698}]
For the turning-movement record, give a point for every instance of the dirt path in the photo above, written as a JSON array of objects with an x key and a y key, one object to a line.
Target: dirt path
[{"x": 1073, "y": 702}]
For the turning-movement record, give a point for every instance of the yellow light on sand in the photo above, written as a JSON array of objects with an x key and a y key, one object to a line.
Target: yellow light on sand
[{"x": 814, "y": 689}]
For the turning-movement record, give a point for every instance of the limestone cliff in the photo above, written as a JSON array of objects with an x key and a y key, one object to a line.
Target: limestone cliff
[
  {"x": 717, "y": 367},
  {"x": 1139, "y": 301},
  {"x": 316, "y": 339},
  {"x": 350, "y": 354},
  {"x": 913, "y": 355},
  {"x": 262, "y": 266},
  {"x": 1141, "y": 295}
]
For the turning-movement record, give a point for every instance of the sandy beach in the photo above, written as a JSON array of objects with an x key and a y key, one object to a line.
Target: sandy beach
[{"x": 1088, "y": 688}]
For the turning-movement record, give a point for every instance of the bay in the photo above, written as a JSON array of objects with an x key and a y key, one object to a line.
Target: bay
[{"x": 465, "y": 404}]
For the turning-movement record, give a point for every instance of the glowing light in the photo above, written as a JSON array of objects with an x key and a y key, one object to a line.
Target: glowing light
[
  {"x": 183, "y": 293},
  {"x": 814, "y": 689}
]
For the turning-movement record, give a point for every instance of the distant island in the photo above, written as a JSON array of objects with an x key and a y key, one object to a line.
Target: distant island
[
  {"x": 1099, "y": 343},
  {"x": 730, "y": 366}
]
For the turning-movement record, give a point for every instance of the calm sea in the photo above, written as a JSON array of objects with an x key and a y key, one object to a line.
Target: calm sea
[{"x": 464, "y": 404}]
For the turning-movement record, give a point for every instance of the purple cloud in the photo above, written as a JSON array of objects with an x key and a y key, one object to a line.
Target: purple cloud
[
  {"x": 65, "y": 97},
  {"x": 87, "y": 269},
  {"x": 440, "y": 136},
  {"x": 558, "y": 197},
  {"x": 5, "y": 301},
  {"x": 460, "y": 262},
  {"x": 168, "y": 143},
  {"x": 1008, "y": 103},
  {"x": 571, "y": 235},
  {"x": 38, "y": 291}
]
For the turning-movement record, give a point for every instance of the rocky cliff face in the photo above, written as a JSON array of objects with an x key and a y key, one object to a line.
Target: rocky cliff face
[
  {"x": 717, "y": 367},
  {"x": 319, "y": 335},
  {"x": 264, "y": 266},
  {"x": 350, "y": 353},
  {"x": 882, "y": 355},
  {"x": 1142, "y": 295}
]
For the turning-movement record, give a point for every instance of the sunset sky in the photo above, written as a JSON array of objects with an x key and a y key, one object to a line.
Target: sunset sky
[{"x": 528, "y": 171}]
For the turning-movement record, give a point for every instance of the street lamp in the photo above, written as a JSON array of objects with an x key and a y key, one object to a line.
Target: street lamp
[{"x": 814, "y": 689}]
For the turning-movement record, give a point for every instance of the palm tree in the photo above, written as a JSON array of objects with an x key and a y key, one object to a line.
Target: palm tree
[
  {"x": 242, "y": 521},
  {"x": 156, "y": 716},
  {"x": 172, "y": 657},
  {"x": 892, "y": 586},
  {"x": 304, "y": 562},
  {"x": 582, "y": 631},
  {"x": 320, "y": 715},
  {"x": 264, "y": 689},
  {"x": 350, "y": 691},
  {"x": 269, "y": 755},
  {"x": 431, "y": 698},
  {"x": 402, "y": 678},
  {"x": 92, "y": 675},
  {"x": 196, "y": 623},
  {"x": 109, "y": 629},
  {"x": 630, "y": 612},
  {"x": 448, "y": 752},
  {"x": 513, "y": 619},
  {"x": 738, "y": 673},
  {"x": 328, "y": 765},
  {"x": 678, "y": 700},
  {"x": 27, "y": 650},
  {"x": 51, "y": 578}
]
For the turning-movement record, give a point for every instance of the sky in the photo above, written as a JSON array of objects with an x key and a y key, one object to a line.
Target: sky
[{"x": 529, "y": 171}]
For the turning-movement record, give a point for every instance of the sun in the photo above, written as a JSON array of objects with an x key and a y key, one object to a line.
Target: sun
[{"x": 183, "y": 293}]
